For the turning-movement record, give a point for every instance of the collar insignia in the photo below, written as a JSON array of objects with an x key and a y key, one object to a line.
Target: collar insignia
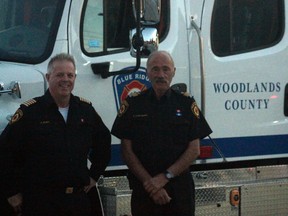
[
  {"x": 44, "y": 122},
  {"x": 178, "y": 112},
  {"x": 140, "y": 116}
]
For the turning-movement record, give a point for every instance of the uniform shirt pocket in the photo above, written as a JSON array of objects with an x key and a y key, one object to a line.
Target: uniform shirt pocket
[
  {"x": 179, "y": 129},
  {"x": 140, "y": 129}
]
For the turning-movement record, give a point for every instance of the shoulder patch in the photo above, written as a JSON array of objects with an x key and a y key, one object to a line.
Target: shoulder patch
[
  {"x": 18, "y": 115},
  {"x": 123, "y": 108},
  {"x": 85, "y": 100},
  {"x": 195, "y": 110},
  {"x": 29, "y": 102}
]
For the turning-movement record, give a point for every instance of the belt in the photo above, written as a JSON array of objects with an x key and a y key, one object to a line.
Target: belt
[
  {"x": 73, "y": 190},
  {"x": 65, "y": 190}
]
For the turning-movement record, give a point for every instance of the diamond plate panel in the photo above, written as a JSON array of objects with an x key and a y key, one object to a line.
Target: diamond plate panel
[
  {"x": 116, "y": 205},
  {"x": 272, "y": 172},
  {"x": 114, "y": 185},
  {"x": 265, "y": 199},
  {"x": 115, "y": 195},
  {"x": 223, "y": 177},
  {"x": 205, "y": 196},
  {"x": 215, "y": 202},
  {"x": 264, "y": 192}
]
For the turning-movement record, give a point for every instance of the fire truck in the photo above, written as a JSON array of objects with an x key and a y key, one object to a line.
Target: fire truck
[{"x": 231, "y": 55}]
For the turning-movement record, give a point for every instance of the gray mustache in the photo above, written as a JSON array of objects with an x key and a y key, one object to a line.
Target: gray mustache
[{"x": 160, "y": 80}]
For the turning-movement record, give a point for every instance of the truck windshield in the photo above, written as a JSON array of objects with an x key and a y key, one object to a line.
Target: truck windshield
[{"x": 27, "y": 29}]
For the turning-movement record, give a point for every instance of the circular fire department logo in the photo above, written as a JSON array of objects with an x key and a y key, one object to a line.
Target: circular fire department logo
[{"x": 18, "y": 114}]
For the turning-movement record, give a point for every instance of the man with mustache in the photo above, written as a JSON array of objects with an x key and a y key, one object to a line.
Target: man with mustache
[
  {"x": 46, "y": 145},
  {"x": 160, "y": 131}
]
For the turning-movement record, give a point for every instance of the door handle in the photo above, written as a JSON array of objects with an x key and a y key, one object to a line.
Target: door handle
[
  {"x": 14, "y": 89},
  {"x": 286, "y": 100},
  {"x": 101, "y": 68}
]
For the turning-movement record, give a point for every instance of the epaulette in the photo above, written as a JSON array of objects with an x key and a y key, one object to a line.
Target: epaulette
[
  {"x": 19, "y": 113},
  {"x": 186, "y": 94},
  {"x": 85, "y": 100},
  {"x": 183, "y": 93},
  {"x": 29, "y": 102}
]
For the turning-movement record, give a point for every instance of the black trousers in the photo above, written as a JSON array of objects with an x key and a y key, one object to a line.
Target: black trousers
[
  {"x": 182, "y": 191},
  {"x": 5, "y": 208},
  {"x": 39, "y": 202}
]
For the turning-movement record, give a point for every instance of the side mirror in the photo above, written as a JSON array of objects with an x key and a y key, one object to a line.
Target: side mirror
[
  {"x": 149, "y": 11},
  {"x": 144, "y": 39},
  {"x": 148, "y": 42}
]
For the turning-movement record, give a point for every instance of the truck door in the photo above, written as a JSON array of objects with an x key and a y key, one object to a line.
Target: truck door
[
  {"x": 245, "y": 53},
  {"x": 100, "y": 41},
  {"x": 27, "y": 35}
]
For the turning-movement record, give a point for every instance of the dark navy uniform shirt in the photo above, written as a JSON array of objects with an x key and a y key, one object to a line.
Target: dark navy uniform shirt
[
  {"x": 39, "y": 148},
  {"x": 160, "y": 130}
]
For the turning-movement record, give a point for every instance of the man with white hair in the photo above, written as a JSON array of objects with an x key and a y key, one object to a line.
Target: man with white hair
[{"x": 160, "y": 131}]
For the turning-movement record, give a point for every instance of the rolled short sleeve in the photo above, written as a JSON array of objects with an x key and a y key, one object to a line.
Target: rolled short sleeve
[
  {"x": 199, "y": 127},
  {"x": 122, "y": 126}
]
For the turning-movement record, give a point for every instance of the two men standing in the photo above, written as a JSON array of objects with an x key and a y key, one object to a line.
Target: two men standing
[{"x": 47, "y": 142}]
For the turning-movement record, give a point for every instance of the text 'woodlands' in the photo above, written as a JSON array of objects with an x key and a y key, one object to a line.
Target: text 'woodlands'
[{"x": 246, "y": 89}]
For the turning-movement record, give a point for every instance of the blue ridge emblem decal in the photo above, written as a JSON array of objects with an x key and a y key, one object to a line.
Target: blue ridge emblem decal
[{"x": 126, "y": 84}]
